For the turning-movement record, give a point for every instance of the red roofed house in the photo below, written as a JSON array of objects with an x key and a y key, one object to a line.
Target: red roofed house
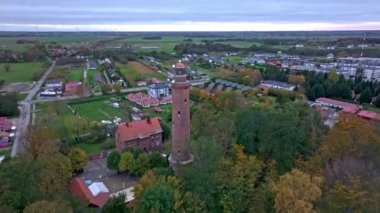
[
  {"x": 72, "y": 87},
  {"x": 95, "y": 195},
  {"x": 145, "y": 134}
]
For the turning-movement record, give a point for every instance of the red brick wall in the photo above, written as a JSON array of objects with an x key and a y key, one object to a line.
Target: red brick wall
[
  {"x": 149, "y": 143},
  {"x": 180, "y": 120}
]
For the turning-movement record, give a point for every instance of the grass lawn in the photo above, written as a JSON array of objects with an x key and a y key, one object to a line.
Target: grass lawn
[
  {"x": 75, "y": 74},
  {"x": 91, "y": 148},
  {"x": 20, "y": 72},
  {"x": 166, "y": 112},
  {"x": 98, "y": 109},
  {"x": 5, "y": 151},
  {"x": 233, "y": 59},
  {"x": 371, "y": 107}
]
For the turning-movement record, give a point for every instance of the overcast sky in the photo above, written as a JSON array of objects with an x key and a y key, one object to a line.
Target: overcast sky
[{"x": 189, "y": 15}]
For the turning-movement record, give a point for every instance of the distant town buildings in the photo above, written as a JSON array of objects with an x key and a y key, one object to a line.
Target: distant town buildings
[{"x": 276, "y": 85}]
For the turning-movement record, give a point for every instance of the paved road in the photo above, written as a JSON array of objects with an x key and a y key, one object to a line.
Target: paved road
[
  {"x": 24, "y": 120},
  {"x": 73, "y": 97}
]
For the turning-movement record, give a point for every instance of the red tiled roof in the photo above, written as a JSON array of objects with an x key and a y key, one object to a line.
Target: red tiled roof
[
  {"x": 180, "y": 65},
  {"x": 71, "y": 86},
  {"x": 79, "y": 189},
  {"x": 2, "y": 119},
  {"x": 369, "y": 115},
  {"x": 139, "y": 129}
]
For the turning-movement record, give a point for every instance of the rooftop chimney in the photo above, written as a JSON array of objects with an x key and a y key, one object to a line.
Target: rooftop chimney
[{"x": 148, "y": 120}]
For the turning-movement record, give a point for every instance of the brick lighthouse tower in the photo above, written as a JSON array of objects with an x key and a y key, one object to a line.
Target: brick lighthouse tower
[{"x": 180, "y": 154}]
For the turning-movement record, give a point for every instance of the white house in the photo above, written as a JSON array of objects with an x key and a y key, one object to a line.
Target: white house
[{"x": 158, "y": 90}]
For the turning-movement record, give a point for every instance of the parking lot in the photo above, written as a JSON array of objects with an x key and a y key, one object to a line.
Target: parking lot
[{"x": 97, "y": 170}]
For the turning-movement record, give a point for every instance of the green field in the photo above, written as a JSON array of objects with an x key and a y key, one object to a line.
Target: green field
[
  {"x": 97, "y": 109},
  {"x": 75, "y": 74},
  {"x": 91, "y": 148},
  {"x": 20, "y": 72}
]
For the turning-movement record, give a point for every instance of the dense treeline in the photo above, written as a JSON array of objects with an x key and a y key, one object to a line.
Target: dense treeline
[
  {"x": 331, "y": 85},
  {"x": 252, "y": 160},
  {"x": 36, "y": 52}
]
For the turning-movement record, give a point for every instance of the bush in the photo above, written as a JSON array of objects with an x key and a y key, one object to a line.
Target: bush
[{"x": 9, "y": 105}]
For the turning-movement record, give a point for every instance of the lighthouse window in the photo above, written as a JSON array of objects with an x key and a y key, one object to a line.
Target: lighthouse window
[
  {"x": 185, "y": 100},
  {"x": 179, "y": 112}
]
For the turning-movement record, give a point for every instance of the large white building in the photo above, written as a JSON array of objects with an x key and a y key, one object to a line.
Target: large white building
[{"x": 158, "y": 90}]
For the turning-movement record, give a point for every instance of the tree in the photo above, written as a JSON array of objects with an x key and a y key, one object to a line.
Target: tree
[
  {"x": 116, "y": 205},
  {"x": 19, "y": 179},
  {"x": 7, "y": 67},
  {"x": 365, "y": 96},
  {"x": 126, "y": 162},
  {"x": 56, "y": 173},
  {"x": 77, "y": 126},
  {"x": 318, "y": 91},
  {"x": 78, "y": 159},
  {"x": 237, "y": 179},
  {"x": 113, "y": 160},
  {"x": 117, "y": 88},
  {"x": 9, "y": 105},
  {"x": 41, "y": 142},
  {"x": 166, "y": 130},
  {"x": 376, "y": 102},
  {"x": 156, "y": 160},
  {"x": 2, "y": 83},
  {"x": 105, "y": 88},
  {"x": 282, "y": 133},
  {"x": 296, "y": 79},
  {"x": 333, "y": 76},
  {"x": 140, "y": 166},
  {"x": 296, "y": 192},
  {"x": 45, "y": 206}
]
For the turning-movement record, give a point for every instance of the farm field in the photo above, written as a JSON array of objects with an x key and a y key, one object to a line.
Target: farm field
[
  {"x": 135, "y": 71},
  {"x": 20, "y": 72}
]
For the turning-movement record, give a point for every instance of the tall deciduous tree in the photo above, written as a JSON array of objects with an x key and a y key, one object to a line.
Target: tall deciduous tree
[
  {"x": 296, "y": 192},
  {"x": 7, "y": 67},
  {"x": 78, "y": 159},
  {"x": 127, "y": 161},
  {"x": 45, "y": 206},
  {"x": 41, "y": 142},
  {"x": 113, "y": 160},
  {"x": 365, "y": 96}
]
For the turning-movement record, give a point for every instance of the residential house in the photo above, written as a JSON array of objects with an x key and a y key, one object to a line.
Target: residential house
[
  {"x": 72, "y": 87},
  {"x": 145, "y": 134},
  {"x": 158, "y": 90},
  {"x": 95, "y": 194}
]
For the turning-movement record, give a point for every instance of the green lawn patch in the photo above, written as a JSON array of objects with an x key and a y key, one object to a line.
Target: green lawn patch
[
  {"x": 91, "y": 148},
  {"x": 75, "y": 74},
  {"x": 97, "y": 109},
  {"x": 371, "y": 107},
  {"x": 20, "y": 72}
]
